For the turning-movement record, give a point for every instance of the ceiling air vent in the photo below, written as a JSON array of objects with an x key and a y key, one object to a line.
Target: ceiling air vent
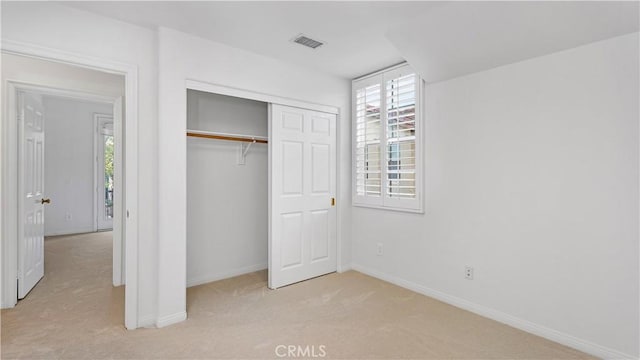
[{"x": 308, "y": 42}]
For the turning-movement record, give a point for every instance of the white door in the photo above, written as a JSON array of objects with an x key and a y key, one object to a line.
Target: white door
[
  {"x": 105, "y": 180},
  {"x": 31, "y": 184},
  {"x": 302, "y": 187}
]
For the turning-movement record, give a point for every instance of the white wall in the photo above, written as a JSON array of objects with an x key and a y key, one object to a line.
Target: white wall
[
  {"x": 223, "y": 65},
  {"x": 69, "y": 164},
  {"x": 532, "y": 179},
  {"x": 227, "y": 231},
  {"x": 55, "y": 26}
]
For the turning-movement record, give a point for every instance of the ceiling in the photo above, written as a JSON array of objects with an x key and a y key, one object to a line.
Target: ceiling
[
  {"x": 466, "y": 37},
  {"x": 440, "y": 39}
]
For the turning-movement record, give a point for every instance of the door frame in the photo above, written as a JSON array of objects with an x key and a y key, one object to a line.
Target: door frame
[
  {"x": 252, "y": 95},
  {"x": 8, "y": 188}
]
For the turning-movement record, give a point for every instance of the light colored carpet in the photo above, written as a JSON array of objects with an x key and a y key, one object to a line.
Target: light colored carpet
[{"x": 75, "y": 313}]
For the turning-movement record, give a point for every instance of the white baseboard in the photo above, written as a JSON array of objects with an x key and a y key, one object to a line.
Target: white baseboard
[
  {"x": 224, "y": 275},
  {"x": 344, "y": 268},
  {"x": 70, "y": 231},
  {"x": 148, "y": 321},
  {"x": 171, "y": 319},
  {"x": 8, "y": 305},
  {"x": 525, "y": 325}
]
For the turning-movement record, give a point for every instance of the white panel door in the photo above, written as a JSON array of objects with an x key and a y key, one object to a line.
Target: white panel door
[
  {"x": 31, "y": 184},
  {"x": 302, "y": 187}
]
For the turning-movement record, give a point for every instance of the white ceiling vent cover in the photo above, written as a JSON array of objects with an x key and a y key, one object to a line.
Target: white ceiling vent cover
[{"x": 308, "y": 42}]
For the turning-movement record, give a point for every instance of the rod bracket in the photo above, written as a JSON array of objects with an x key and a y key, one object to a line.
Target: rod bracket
[{"x": 243, "y": 150}]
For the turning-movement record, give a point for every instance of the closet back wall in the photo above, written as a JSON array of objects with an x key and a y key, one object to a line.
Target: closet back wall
[{"x": 227, "y": 232}]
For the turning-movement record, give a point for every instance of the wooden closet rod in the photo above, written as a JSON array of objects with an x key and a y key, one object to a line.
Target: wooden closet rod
[{"x": 226, "y": 137}]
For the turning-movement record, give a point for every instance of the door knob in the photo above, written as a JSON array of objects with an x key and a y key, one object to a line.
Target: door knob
[{"x": 45, "y": 201}]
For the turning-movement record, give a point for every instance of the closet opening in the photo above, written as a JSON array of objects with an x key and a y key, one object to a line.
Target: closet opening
[
  {"x": 261, "y": 191},
  {"x": 227, "y": 187}
]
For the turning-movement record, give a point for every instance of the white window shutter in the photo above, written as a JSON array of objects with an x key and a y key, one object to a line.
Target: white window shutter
[
  {"x": 401, "y": 135},
  {"x": 387, "y": 140},
  {"x": 367, "y": 144}
]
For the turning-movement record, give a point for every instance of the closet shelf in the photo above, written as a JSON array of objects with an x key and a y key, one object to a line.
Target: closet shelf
[{"x": 225, "y": 136}]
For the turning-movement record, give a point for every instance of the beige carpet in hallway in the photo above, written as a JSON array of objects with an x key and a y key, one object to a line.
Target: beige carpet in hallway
[{"x": 75, "y": 313}]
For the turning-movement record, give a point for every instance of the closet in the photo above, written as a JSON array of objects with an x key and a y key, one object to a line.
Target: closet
[
  {"x": 261, "y": 187},
  {"x": 227, "y": 209}
]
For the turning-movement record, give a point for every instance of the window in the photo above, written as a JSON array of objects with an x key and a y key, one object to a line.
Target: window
[
  {"x": 108, "y": 176},
  {"x": 386, "y": 140}
]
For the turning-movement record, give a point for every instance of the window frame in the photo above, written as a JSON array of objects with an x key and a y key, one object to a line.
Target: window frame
[{"x": 416, "y": 204}]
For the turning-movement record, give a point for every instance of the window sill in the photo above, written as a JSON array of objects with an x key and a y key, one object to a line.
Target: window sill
[{"x": 388, "y": 208}]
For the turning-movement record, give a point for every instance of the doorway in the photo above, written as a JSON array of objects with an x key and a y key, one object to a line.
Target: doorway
[
  {"x": 58, "y": 192},
  {"x": 18, "y": 83}
]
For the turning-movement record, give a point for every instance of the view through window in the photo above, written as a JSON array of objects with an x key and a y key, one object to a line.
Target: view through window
[{"x": 108, "y": 176}]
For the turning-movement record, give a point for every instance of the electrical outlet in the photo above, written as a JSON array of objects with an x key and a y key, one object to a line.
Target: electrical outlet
[
  {"x": 68, "y": 217},
  {"x": 379, "y": 251},
  {"x": 468, "y": 272}
]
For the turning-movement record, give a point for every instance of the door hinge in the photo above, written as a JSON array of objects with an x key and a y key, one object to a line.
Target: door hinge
[{"x": 333, "y": 201}]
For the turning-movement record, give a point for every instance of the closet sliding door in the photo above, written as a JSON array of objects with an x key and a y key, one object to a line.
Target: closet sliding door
[{"x": 302, "y": 188}]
